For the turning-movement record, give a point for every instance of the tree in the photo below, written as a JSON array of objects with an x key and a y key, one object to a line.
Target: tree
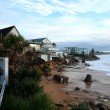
[
  {"x": 83, "y": 52},
  {"x": 14, "y": 42},
  {"x": 1, "y": 47},
  {"x": 93, "y": 51},
  {"x": 54, "y": 44}
]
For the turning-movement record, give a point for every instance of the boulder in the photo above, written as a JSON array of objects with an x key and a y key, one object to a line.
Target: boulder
[
  {"x": 60, "y": 78},
  {"x": 88, "y": 78}
]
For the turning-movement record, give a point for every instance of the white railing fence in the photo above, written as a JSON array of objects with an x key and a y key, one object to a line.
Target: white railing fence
[{"x": 2, "y": 91}]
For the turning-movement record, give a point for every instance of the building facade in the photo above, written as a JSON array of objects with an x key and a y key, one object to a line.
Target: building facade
[
  {"x": 76, "y": 50},
  {"x": 9, "y": 30},
  {"x": 47, "y": 50}
]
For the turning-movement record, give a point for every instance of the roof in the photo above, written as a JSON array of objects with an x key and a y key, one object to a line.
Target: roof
[
  {"x": 39, "y": 40},
  {"x": 5, "y": 31},
  {"x": 71, "y": 47},
  {"x": 75, "y": 47}
]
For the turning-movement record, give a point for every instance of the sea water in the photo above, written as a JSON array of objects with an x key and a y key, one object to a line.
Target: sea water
[
  {"x": 103, "y": 64},
  {"x": 101, "y": 80}
]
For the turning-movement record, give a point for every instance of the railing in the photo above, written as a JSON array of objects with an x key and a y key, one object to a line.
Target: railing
[
  {"x": 54, "y": 54},
  {"x": 2, "y": 91}
]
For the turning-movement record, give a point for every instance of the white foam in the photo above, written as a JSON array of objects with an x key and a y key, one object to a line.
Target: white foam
[{"x": 108, "y": 74}]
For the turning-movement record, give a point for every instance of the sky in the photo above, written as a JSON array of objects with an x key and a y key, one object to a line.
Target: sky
[{"x": 59, "y": 20}]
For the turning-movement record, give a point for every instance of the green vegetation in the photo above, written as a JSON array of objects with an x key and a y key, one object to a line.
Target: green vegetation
[
  {"x": 11, "y": 102},
  {"x": 27, "y": 88},
  {"x": 41, "y": 102},
  {"x": 26, "y": 94},
  {"x": 13, "y": 42},
  {"x": 46, "y": 66},
  {"x": 32, "y": 72},
  {"x": 92, "y": 51},
  {"x": 23, "y": 92},
  {"x": 80, "y": 106},
  {"x": 37, "y": 102}
]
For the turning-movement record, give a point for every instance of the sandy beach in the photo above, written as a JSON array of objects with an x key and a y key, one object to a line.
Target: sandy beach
[
  {"x": 101, "y": 82},
  {"x": 98, "y": 91}
]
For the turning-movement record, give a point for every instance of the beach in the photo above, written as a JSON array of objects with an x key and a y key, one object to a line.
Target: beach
[
  {"x": 97, "y": 91},
  {"x": 77, "y": 75}
]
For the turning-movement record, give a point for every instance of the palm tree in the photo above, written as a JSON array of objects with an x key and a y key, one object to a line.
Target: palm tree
[
  {"x": 92, "y": 51},
  {"x": 14, "y": 42},
  {"x": 54, "y": 44}
]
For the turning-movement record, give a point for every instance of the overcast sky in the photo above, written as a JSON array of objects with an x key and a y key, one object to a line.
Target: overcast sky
[{"x": 59, "y": 20}]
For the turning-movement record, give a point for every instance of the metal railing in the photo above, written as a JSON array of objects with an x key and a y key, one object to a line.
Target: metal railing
[{"x": 2, "y": 91}]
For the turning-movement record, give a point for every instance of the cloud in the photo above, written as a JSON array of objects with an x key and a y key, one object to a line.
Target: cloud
[
  {"x": 57, "y": 28},
  {"x": 60, "y": 20},
  {"x": 47, "y": 7},
  {"x": 39, "y": 6},
  {"x": 106, "y": 22},
  {"x": 63, "y": 28}
]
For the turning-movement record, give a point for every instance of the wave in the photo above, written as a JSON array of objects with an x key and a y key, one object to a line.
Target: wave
[{"x": 103, "y": 64}]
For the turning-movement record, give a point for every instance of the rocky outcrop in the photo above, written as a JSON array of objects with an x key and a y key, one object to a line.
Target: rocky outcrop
[
  {"x": 88, "y": 78},
  {"x": 91, "y": 57},
  {"x": 61, "y": 78}
]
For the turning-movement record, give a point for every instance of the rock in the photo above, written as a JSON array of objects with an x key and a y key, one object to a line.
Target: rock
[
  {"x": 60, "y": 69},
  {"x": 88, "y": 78},
  {"x": 66, "y": 79},
  {"x": 104, "y": 107},
  {"x": 77, "y": 89},
  {"x": 83, "y": 60},
  {"x": 61, "y": 106},
  {"x": 108, "y": 106},
  {"x": 92, "y": 103},
  {"x": 101, "y": 106},
  {"x": 60, "y": 78},
  {"x": 87, "y": 64}
]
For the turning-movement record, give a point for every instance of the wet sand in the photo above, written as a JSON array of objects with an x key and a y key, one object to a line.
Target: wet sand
[
  {"x": 101, "y": 82},
  {"x": 99, "y": 90}
]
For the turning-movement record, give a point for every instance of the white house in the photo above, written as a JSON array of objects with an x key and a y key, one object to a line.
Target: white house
[
  {"x": 9, "y": 30},
  {"x": 40, "y": 43},
  {"x": 46, "y": 48},
  {"x": 76, "y": 50}
]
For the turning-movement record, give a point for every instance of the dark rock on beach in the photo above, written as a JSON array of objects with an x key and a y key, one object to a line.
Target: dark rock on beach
[{"x": 88, "y": 78}]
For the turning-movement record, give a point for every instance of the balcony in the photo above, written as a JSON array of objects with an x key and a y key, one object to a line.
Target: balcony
[{"x": 53, "y": 49}]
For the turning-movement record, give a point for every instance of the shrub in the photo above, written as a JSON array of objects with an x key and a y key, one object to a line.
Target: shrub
[
  {"x": 37, "y": 102},
  {"x": 33, "y": 73},
  {"x": 39, "y": 60},
  {"x": 11, "y": 102},
  {"x": 28, "y": 87},
  {"x": 23, "y": 73},
  {"x": 41, "y": 102},
  {"x": 36, "y": 74},
  {"x": 80, "y": 106},
  {"x": 46, "y": 66}
]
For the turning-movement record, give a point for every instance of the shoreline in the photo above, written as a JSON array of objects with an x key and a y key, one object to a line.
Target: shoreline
[
  {"x": 99, "y": 78},
  {"x": 65, "y": 93},
  {"x": 101, "y": 65}
]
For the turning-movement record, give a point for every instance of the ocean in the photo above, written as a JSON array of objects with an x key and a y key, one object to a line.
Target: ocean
[
  {"x": 101, "y": 78},
  {"x": 103, "y": 64}
]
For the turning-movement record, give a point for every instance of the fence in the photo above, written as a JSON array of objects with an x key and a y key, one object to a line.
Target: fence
[{"x": 2, "y": 91}]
